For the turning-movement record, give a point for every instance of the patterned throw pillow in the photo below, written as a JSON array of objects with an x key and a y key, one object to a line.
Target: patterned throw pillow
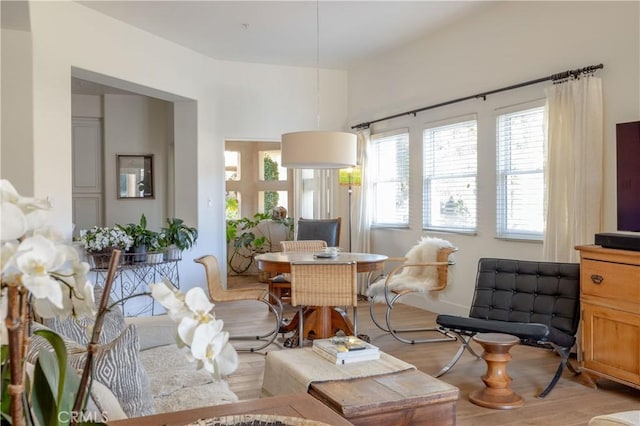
[
  {"x": 116, "y": 365},
  {"x": 80, "y": 329}
]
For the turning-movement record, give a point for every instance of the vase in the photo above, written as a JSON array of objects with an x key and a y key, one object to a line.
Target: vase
[
  {"x": 156, "y": 257},
  {"x": 173, "y": 253},
  {"x": 138, "y": 254}
]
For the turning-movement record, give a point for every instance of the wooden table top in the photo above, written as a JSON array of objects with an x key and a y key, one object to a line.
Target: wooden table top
[
  {"x": 280, "y": 262},
  {"x": 295, "y": 405}
]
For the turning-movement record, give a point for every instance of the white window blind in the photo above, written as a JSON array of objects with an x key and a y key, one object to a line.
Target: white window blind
[
  {"x": 389, "y": 169},
  {"x": 449, "y": 176},
  {"x": 520, "y": 180}
]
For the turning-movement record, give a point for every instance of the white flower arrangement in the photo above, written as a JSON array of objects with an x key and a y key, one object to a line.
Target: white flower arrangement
[
  {"x": 38, "y": 270},
  {"x": 198, "y": 328},
  {"x": 99, "y": 238},
  {"x": 35, "y": 256}
]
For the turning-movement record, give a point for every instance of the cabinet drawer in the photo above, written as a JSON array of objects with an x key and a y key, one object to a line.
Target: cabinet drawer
[{"x": 614, "y": 281}]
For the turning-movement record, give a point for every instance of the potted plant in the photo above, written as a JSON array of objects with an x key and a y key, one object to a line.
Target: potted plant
[
  {"x": 142, "y": 238},
  {"x": 246, "y": 238},
  {"x": 177, "y": 236},
  {"x": 99, "y": 241}
]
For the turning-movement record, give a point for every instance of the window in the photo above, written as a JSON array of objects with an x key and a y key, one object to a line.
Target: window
[
  {"x": 449, "y": 176},
  {"x": 520, "y": 169},
  {"x": 231, "y": 165},
  {"x": 389, "y": 170},
  {"x": 255, "y": 181}
]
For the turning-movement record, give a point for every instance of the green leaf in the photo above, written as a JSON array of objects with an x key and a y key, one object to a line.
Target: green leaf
[
  {"x": 62, "y": 381},
  {"x": 45, "y": 385}
]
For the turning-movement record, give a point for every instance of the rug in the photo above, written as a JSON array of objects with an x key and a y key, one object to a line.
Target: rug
[
  {"x": 293, "y": 370},
  {"x": 176, "y": 384}
]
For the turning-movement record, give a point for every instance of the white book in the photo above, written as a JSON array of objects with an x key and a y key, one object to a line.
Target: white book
[
  {"x": 367, "y": 356},
  {"x": 340, "y": 348}
]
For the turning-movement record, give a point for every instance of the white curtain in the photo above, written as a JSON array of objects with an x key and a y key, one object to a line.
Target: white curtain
[
  {"x": 361, "y": 239},
  {"x": 574, "y": 178}
]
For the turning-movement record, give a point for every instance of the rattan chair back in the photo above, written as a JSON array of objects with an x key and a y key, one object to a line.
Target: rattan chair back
[
  {"x": 324, "y": 284},
  {"x": 310, "y": 246}
]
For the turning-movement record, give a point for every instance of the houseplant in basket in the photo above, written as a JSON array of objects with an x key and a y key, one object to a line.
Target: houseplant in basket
[
  {"x": 142, "y": 239},
  {"x": 100, "y": 241},
  {"x": 177, "y": 236}
]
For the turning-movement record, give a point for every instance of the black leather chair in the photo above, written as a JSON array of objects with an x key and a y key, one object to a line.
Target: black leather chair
[
  {"x": 320, "y": 229},
  {"x": 539, "y": 302}
]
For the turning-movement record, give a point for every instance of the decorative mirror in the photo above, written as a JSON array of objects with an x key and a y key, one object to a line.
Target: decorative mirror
[{"x": 135, "y": 176}]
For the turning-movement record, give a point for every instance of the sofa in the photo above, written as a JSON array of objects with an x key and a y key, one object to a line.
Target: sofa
[{"x": 138, "y": 369}]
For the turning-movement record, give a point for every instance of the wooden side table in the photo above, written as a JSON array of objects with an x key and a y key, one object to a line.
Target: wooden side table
[{"x": 497, "y": 392}]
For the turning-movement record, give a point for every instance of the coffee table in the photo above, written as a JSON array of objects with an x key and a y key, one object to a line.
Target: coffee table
[{"x": 392, "y": 395}]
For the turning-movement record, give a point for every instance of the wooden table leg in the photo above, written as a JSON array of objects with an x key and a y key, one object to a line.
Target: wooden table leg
[{"x": 497, "y": 392}]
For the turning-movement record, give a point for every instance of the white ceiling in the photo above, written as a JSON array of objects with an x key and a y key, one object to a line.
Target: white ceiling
[{"x": 285, "y": 32}]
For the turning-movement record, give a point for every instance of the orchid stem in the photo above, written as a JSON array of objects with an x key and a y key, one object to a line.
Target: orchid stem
[{"x": 95, "y": 337}]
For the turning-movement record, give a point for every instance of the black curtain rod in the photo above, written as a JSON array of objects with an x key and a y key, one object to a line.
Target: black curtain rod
[{"x": 554, "y": 77}]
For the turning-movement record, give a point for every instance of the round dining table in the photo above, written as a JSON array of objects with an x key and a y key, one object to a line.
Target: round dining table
[
  {"x": 321, "y": 321},
  {"x": 280, "y": 262}
]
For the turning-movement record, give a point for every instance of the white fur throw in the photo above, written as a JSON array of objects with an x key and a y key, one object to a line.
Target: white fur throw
[{"x": 419, "y": 279}]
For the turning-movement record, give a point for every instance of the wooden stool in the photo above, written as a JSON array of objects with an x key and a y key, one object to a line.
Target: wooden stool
[{"x": 497, "y": 393}]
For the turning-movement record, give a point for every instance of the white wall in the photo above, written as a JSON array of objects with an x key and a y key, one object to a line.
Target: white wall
[
  {"x": 135, "y": 125},
  {"x": 231, "y": 101},
  {"x": 17, "y": 120},
  {"x": 507, "y": 43}
]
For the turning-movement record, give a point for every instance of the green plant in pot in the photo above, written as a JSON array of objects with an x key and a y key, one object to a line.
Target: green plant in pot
[
  {"x": 177, "y": 236},
  {"x": 142, "y": 239},
  {"x": 245, "y": 240}
]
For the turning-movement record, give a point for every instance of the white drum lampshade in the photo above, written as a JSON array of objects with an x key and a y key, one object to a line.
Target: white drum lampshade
[{"x": 319, "y": 150}]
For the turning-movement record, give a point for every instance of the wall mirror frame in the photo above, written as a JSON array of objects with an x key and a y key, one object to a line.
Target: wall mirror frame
[{"x": 135, "y": 176}]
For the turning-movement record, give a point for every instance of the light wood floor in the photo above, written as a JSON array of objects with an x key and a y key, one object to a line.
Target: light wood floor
[{"x": 570, "y": 403}]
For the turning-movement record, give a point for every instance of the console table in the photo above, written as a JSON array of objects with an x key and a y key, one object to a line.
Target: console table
[
  {"x": 610, "y": 304},
  {"x": 130, "y": 286}
]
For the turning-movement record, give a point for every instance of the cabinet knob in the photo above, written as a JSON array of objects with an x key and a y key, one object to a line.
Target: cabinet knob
[{"x": 597, "y": 279}]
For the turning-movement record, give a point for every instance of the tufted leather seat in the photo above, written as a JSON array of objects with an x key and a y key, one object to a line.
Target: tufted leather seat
[{"x": 539, "y": 302}]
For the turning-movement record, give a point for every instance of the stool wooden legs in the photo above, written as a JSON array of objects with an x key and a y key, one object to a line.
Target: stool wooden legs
[{"x": 497, "y": 393}]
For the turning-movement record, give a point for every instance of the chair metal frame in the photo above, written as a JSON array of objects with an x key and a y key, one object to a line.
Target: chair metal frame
[
  {"x": 219, "y": 294},
  {"x": 324, "y": 284},
  {"x": 391, "y": 296}
]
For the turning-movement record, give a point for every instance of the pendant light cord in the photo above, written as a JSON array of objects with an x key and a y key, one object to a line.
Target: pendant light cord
[{"x": 318, "y": 64}]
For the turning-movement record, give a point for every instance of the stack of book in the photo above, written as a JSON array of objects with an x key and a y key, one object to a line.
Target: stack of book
[{"x": 345, "y": 350}]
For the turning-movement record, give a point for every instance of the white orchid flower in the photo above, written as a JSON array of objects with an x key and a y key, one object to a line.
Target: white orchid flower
[
  {"x": 19, "y": 214},
  {"x": 170, "y": 298},
  {"x": 36, "y": 258},
  {"x": 203, "y": 337},
  {"x": 199, "y": 313},
  {"x": 13, "y": 223},
  {"x": 9, "y": 194},
  {"x": 227, "y": 360},
  {"x": 7, "y": 253}
]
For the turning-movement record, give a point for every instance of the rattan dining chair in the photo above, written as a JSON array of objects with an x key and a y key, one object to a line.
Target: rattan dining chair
[
  {"x": 219, "y": 294},
  {"x": 280, "y": 285},
  {"x": 315, "y": 284}
]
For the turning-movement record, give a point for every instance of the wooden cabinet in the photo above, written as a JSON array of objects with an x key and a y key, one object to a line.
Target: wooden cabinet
[{"x": 610, "y": 305}]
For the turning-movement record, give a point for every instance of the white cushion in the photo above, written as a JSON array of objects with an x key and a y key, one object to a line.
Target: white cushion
[{"x": 627, "y": 418}]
